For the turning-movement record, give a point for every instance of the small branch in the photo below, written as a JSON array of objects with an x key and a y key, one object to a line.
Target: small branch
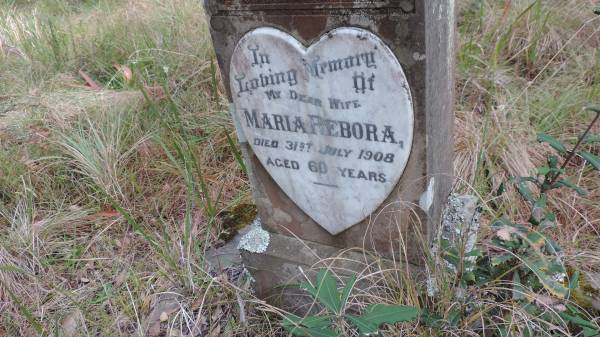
[{"x": 573, "y": 152}]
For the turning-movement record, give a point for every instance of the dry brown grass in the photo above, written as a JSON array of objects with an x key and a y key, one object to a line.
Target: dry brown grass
[{"x": 73, "y": 261}]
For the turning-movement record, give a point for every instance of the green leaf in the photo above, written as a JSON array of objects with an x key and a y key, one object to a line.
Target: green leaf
[
  {"x": 587, "y": 332},
  {"x": 346, "y": 291},
  {"x": 574, "y": 281},
  {"x": 308, "y": 287},
  {"x": 310, "y": 326},
  {"x": 553, "y": 142},
  {"x": 524, "y": 189},
  {"x": 312, "y": 321},
  {"x": 575, "y": 318},
  {"x": 544, "y": 170},
  {"x": 537, "y": 266},
  {"x": 535, "y": 239},
  {"x": 327, "y": 292},
  {"x": 595, "y": 109},
  {"x": 365, "y": 327},
  {"x": 474, "y": 253},
  {"x": 553, "y": 162},
  {"x": 549, "y": 221},
  {"x": 431, "y": 320},
  {"x": 454, "y": 317},
  {"x": 591, "y": 139},
  {"x": 518, "y": 292},
  {"x": 500, "y": 259},
  {"x": 501, "y": 189},
  {"x": 316, "y": 332},
  {"x": 568, "y": 184},
  {"x": 379, "y": 314},
  {"x": 538, "y": 211},
  {"x": 597, "y": 11},
  {"x": 469, "y": 276},
  {"x": 552, "y": 247},
  {"x": 501, "y": 222},
  {"x": 591, "y": 159}
]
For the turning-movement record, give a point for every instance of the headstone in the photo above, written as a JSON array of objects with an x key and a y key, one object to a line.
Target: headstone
[{"x": 344, "y": 113}]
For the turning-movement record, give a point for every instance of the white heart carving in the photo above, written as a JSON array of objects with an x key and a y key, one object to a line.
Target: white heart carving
[{"x": 332, "y": 123}]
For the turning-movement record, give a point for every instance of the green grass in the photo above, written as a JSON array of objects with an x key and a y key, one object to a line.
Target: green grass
[{"x": 109, "y": 199}]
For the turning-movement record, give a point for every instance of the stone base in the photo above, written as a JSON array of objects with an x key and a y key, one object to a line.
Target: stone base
[{"x": 289, "y": 261}]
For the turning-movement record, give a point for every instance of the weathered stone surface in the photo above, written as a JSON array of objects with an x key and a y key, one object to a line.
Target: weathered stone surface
[
  {"x": 460, "y": 226},
  {"x": 425, "y": 54},
  {"x": 288, "y": 261},
  {"x": 332, "y": 124},
  {"x": 420, "y": 34}
]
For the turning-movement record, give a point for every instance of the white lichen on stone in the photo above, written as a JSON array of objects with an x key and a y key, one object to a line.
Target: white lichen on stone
[
  {"x": 256, "y": 240},
  {"x": 460, "y": 226}
]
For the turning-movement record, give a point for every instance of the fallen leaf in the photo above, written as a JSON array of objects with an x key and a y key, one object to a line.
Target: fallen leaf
[
  {"x": 109, "y": 213},
  {"x": 544, "y": 300},
  {"x": 505, "y": 233},
  {"x": 125, "y": 71},
  {"x": 560, "y": 308},
  {"x": 88, "y": 80},
  {"x": 160, "y": 313},
  {"x": 120, "y": 279},
  {"x": 157, "y": 93},
  {"x": 70, "y": 324}
]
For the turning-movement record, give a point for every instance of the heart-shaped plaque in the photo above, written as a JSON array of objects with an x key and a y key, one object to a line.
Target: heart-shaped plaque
[{"x": 331, "y": 123}]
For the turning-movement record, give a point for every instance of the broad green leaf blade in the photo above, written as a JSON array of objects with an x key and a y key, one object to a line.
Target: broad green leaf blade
[
  {"x": 524, "y": 190},
  {"x": 574, "y": 281},
  {"x": 308, "y": 321},
  {"x": 568, "y": 184},
  {"x": 554, "y": 287},
  {"x": 315, "y": 332},
  {"x": 538, "y": 211},
  {"x": 474, "y": 253},
  {"x": 365, "y": 327},
  {"x": 379, "y": 314},
  {"x": 308, "y": 287},
  {"x": 542, "y": 171},
  {"x": 500, "y": 259},
  {"x": 310, "y": 326},
  {"x": 347, "y": 290},
  {"x": 312, "y": 332},
  {"x": 327, "y": 292},
  {"x": 591, "y": 158},
  {"x": 553, "y": 142},
  {"x": 518, "y": 289},
  {"x": 591, "y": 139},
  {"x": 587, "y": 332},
  {"x": 575, "y": 317}
]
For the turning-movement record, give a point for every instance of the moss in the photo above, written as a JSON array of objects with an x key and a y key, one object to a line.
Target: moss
[{"x": 235, "y": 219}]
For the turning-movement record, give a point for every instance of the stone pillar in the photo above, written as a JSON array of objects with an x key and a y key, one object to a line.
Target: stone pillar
[{"x": 345, "y": 113}]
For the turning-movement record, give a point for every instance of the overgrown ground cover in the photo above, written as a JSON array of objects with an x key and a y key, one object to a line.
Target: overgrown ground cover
[{"x": 117, "y": 171}]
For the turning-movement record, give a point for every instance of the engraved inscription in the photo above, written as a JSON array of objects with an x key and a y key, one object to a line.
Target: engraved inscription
[{"x": 332, "y": 123}]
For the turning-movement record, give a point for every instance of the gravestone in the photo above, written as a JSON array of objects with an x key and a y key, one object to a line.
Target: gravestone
[{"x": 344, "y": 114}]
